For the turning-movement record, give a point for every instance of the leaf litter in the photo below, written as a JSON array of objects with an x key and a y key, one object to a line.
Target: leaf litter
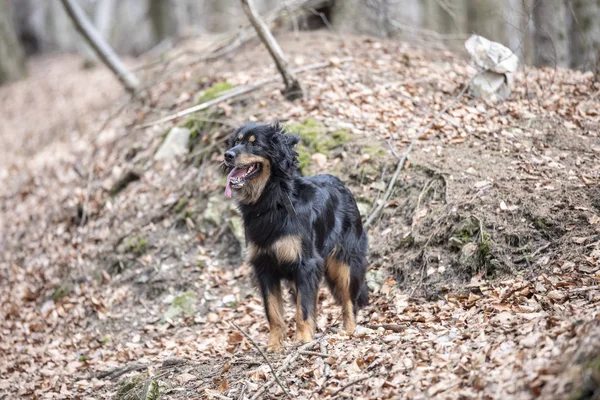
[{"x": 484, "y": 264}]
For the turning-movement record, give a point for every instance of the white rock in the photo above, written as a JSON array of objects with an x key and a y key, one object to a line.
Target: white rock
[
  {"x": 175, "y": 144},
  {"x": 491, "y": 55},
  {"x": 491, "y": 85}
]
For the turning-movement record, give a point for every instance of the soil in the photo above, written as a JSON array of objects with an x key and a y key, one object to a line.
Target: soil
[{"x": 481, "y": 262}]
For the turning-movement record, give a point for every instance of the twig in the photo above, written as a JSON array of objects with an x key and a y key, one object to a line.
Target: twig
[
  {"x": 118, "y": 371},
  {"x": 313, "y": 353},
  {"x": 290, "y": 360},
  {"x": 400, "y": 165},
  {"x": 292, "y": 90},
  {"x": 230, "y": 94},
  {"x": 242, "y": 392},
  {"x": 584, "y": 289},
  {"x": 354, "y": 382},
  {"x": 100, "y": 46},
  {"x": 389, "y": 327},
  {"x": 266, "y": 359}
]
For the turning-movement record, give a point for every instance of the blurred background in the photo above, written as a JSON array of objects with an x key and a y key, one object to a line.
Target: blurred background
[{"x": 561, "y": 33}]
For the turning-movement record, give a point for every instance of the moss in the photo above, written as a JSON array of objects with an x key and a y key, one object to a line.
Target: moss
[
  {"x": 315, "y": 138},
  {"x": 214, "y": 91},
  {"x": 182, "y": 304},
  {"x": 128, "y": 385},
  {"x": 304, "y": 159},
  {"x": 181, "y": 205},
  {"x": 83, "y": 358},
  {"x": 60, "y": 291},
  {"x": 374, "y": 151},
  {"x": 137, "y": 245},
  {"x": 104, "y": 341}
]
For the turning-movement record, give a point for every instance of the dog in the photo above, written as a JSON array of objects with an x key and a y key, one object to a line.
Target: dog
[{"x": 298, "y": 229}]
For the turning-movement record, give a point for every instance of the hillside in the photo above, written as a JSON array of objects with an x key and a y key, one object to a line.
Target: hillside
[{"x": 123, "y": 276}]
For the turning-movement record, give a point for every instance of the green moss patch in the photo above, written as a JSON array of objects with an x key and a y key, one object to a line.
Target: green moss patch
[
  {"x": 315, "y": 138},
  {"x": 214, "y": 91},
  {"x": 184, "y": 304}
]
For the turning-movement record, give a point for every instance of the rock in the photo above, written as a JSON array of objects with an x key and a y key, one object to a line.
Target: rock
[
  {"x": 491, "y": 85},
  {"x": 319, "y": 159},
  {"x": 491, "y": 55},
  {"x": 499, "y": 64},
  {"x": 175, "y": 144}
]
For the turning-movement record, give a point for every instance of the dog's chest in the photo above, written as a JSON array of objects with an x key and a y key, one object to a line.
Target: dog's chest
[{"x": 285, "y": 250}]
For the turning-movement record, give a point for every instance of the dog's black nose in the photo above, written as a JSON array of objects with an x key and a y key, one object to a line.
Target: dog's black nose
[{"x": 229, "y": 156}]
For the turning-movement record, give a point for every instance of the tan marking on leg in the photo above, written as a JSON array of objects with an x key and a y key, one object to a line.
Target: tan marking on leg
[
  {"x": 251, "y": 191},
  {"x": 253, "y": 251},
  {"x": 276, "y": 320},
  {"x": 339, "y": 273},
  {"x": 304, "y": 328},
  {"x": 287, "y": 248}
]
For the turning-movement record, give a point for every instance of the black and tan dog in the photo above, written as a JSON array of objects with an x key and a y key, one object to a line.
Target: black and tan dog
[{"x": 298, "y": 229}]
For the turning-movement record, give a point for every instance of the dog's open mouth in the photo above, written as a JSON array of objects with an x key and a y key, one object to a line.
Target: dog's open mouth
[{"x": 239, "y": 176}]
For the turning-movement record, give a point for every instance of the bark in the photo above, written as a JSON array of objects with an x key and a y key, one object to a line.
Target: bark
[
  {"x": 551, "y": 33},
  {"x": 585, "y": 35},
  {"x": 164, "y": 19},
  {"x": 368, "y": 17},
  {"x": 12, "y": 59},
  {"x": 100, "y": 46},
  {"x": 292, "y": 89}
]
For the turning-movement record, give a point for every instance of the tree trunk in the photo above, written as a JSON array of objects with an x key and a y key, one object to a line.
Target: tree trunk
[
  {"x": 292, "y": 90},
  {"x": 551, "y": 33},
  {"x": 103, "y": 50},
  {"x": 164, "y": 19},
  {"x": 368, "y": 17},
  {"x": 12, "y": 60},
  {"x": 585, "y": 35}
]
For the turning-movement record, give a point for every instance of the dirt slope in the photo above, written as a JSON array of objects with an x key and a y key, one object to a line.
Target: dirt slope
[{"x": 484, "y": 263}]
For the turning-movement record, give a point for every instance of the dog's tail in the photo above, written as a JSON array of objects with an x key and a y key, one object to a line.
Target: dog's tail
[{"x": 363, "y": 296}]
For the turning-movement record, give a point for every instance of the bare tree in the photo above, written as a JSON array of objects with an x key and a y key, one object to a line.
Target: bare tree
[
  {"x": 585, "y": 35},
  {"x": 551, "y": 33},
  {"x": 100, "y": 46},
  {"x": 12, "y": 60},
  {"x": 292, "y": 90}
]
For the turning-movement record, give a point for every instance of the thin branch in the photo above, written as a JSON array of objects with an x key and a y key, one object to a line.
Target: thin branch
[
  {"x": 400, "y": 165},
  {"x": 289, "y": 361},
  {"x": 346, "y": 386},
  {"x": 266, "y": 359},
  {"x": 236, "y": 92},
  {"x": 100, "y": 46},
  {"x": 292, "y": 90}
]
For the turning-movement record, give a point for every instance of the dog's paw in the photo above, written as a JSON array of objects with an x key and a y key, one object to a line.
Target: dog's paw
[{"x": 274, "y": 347}]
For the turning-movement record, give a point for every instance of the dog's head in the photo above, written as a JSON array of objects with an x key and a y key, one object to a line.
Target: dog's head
[{"x": 256, "y": 155}]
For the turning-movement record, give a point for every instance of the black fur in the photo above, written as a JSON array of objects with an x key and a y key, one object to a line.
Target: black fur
[{"x": 320, "y": 209}]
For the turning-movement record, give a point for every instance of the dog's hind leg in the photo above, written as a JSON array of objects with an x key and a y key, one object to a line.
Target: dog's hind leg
[
  {"x": 344, "y": 288},
  {"x": 307, "y": 292},
  {"x": 273, "y": 302}
]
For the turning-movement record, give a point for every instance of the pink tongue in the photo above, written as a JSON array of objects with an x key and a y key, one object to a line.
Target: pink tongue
[{"x": 234, "y": 173}]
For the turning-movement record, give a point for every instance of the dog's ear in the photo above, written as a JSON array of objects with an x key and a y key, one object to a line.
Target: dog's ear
[{"x": 290, "y": 139}]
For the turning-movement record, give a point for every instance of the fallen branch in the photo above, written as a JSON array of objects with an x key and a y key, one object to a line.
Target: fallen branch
[
  {"x": 313, "y": 353},
  {"x": 292, "y": 90},
  {"x": 100, "y": 46},
  {"x": 584, "y": 289},
  {"x": 400, "y": 165},
  {"x": 230, "y": 94},
  {"x": 289, "y": 361},
  {"x": 118, "y": 371},
  {"x": 266, "y": 359},
  {"x": 346, "y": 386}
]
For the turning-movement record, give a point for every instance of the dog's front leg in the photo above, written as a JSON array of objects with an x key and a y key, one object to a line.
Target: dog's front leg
[
  {"x": 273, "y": 302},
  {"x": 307, "y": 292}
]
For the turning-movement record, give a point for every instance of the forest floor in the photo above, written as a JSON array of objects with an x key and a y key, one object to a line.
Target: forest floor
[{"x": 484, "y": 266}]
